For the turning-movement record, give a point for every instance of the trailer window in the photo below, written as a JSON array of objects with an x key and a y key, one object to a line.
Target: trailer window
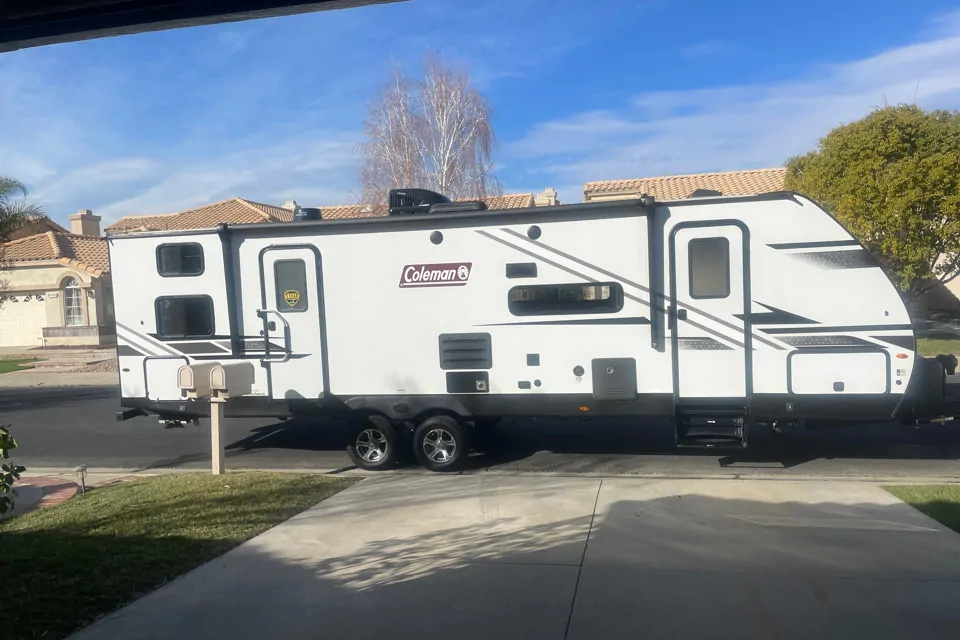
[
  {"x": 184, "y": 316},
  {"x": 709, "y": 267},
  {"x": 562, "y": 299},
  {"x": 184, "y": 259},
  {"x": 290, "y": 277}
]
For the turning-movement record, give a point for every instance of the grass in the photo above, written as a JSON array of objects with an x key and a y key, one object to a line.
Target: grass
[
  {"x": 939, "y": 501},
  {"x": 65, "y": 566},
  {"x": 6, "y": 366},
  {"x": 935, "y": 346}
]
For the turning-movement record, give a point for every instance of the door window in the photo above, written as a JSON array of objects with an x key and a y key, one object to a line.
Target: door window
[
  {"x": 290, "y": 277},
  {"x": 709, "y": 267}
]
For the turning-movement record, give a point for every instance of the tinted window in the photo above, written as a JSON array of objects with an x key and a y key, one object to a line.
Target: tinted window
[
  {"x": 185, "y": 317},
  {"x": 180, "y": 259},
  {"x": 560, "y": 299},
  {"x": 709, "y": 268},
  {"x": 291, "y": 280}
]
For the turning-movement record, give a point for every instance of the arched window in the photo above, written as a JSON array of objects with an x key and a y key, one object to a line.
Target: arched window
[{"x": 72, "y": 302}]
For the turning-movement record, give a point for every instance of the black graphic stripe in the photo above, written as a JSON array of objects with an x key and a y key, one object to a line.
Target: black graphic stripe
[
  {"x": 607, "y": 321},
  {"x": 862, "y": 327},
  {"x": 701, "y": 344},
  {"x": 904, "y": 342},
  {"x": 127, "y": 350},
  {"x": 590, "y": 279},
  {"x": 773, "y": 315},
  {"x": 190, "y": 348},
  {"x": 148, "y": 341},
  {"x": 836, "y": 260},
  {"x": 814, "y": 245},
  {"x": 719, "y": 321},
  {"x": 825, "y": 341}
]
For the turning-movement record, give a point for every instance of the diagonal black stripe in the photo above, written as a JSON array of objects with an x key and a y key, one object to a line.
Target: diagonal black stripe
[
  {"x": 720, "y": 321},
  {"x": 590, "y": 279},
  {"x": 861, "y": 327},
  {"x": 833, "y": 260},
  {"x": 776, "y": 316}
]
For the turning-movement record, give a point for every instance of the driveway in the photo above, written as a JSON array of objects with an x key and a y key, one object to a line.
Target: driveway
[{"x": 483, "y": 556}]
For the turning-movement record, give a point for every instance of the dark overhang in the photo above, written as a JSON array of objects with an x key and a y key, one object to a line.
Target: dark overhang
[{"x": 30, "y": 23}]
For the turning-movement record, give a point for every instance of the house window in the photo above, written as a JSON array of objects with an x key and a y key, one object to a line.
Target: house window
[
  {"x": 184, "y": 316},
  {"x": 72, "y": 303},
  {"x": 184, "y": 259},
  {"x": 563, "y": 299},
  {"x": 290, "y": 277},
  {"x": 709, "y": 267}
]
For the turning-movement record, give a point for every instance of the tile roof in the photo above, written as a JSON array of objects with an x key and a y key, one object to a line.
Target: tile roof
[
  {"x": 233, "y": 211},
  {"x": 82, "y": 252},
  {"x": 509, "y": 201},
  {"x": 729, "y": 183}
]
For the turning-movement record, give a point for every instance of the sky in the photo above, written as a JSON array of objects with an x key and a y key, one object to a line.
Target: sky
[{"x": 272, "y": 109}]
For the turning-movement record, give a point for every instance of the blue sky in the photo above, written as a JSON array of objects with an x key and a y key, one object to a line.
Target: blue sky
[{"x": 272, "y": 109}]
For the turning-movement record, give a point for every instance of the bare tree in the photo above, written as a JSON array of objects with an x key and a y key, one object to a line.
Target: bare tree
[{"x": 434, "y": 133}]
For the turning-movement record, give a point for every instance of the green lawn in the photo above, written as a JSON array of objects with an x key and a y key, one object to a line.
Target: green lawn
[
  {"x": 6, "y": 366},
  {"x": 934, "y": 346},
  {"x": 62, "y": 567},
  {"x": 939, "y": 501}
]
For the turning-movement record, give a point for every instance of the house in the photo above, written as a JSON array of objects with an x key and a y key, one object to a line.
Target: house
[
  {"x": 238, "y": 210},
  {"x": 56, "y": 285},
  {"x": 737, "y": 183},
  {"x": 233, "y": 211}
]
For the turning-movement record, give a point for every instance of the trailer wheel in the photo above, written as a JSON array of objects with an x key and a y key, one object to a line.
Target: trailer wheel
[
  {"x": 441, "y": 444},
  {"x": 373, "y": 444}
]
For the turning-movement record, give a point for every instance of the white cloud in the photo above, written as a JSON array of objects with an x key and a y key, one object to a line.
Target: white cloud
[
  {"x": 315, "y": 168},
  {"x": 738, "y": 127}
]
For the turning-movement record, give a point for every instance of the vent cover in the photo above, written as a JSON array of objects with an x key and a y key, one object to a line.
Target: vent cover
[{"x": 465, "y": 351}]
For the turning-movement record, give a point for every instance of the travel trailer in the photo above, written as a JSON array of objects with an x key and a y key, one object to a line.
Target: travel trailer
[{"x": 424, "y": 326}]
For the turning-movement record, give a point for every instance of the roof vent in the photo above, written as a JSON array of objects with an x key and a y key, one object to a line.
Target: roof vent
[
  {"x": 302, "y": 214},
  {"x": 458, "y": 207},
  {"x": 406, "y": 202}
]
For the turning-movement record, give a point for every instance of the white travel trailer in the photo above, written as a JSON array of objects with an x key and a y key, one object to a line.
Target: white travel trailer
[{"x": 719, "y": 312}]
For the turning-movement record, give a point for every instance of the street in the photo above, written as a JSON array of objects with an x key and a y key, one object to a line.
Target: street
[{"x": 67, "y": 426}]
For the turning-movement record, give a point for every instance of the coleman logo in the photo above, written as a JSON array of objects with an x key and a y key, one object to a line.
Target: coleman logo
[
  {"x": 291, "y": 297},
  {"x": 452, "y": 274}
]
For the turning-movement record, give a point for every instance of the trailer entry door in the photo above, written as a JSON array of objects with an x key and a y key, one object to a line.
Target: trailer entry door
[
  {"x": 293, "y": 322},
  {"x": 709, "y": 296}
]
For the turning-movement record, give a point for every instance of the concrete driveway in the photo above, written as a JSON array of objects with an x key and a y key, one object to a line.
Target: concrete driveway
[{"x": 424, "y": 557}]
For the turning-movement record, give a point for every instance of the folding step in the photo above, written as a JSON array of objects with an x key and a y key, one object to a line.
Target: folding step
[{"x": 711, "y": 427}]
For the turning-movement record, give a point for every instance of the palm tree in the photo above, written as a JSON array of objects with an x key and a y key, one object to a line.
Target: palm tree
[{"x": 14, "y": 211}]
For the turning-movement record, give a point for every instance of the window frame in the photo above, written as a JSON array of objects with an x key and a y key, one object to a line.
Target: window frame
[
  {"x": 616, "y": 298},
  {"x": 69, "y": 292},
  {"x": 690, "y": 270},
  {"x": 213, "y": 317},
  {"x": 278, "y": 294},
  {"x": 203, "y": 260}
]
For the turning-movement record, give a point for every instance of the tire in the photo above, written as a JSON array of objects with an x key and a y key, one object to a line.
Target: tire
[
  {"x": 373, "y": 444},
  {"x": 441, "y": 444}
]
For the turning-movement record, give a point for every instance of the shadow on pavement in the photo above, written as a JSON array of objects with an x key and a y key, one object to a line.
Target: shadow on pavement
[
  {"x": 599, "y": 441},
  {"x": 18, "y": 398},
  {"x": 646, "y": 564}
]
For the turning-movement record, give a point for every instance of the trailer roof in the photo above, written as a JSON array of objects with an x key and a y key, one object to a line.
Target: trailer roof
[{"x": 528, "y": 215}]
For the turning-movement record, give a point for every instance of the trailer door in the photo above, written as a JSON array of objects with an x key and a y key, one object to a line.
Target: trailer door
[
  {"x": 709, "y": 311},
  {"x": 292, "y": 316}
]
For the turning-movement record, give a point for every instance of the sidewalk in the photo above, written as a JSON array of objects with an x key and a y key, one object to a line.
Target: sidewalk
[
  {"x": 475, "y": 557},
  {"x": 30, "y": 378}
]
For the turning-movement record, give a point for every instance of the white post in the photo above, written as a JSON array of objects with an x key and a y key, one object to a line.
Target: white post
[{"x": 216, "y": 417}]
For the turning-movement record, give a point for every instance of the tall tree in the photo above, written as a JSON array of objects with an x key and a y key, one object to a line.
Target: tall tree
[
  {"x": 893, "y": 179},
  {"x": 434, "y": 133},
  {"x": 14, "y": 210}
]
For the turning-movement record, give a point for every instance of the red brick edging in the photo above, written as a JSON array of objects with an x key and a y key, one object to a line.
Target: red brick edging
[{"x": 55, "y": 490}]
